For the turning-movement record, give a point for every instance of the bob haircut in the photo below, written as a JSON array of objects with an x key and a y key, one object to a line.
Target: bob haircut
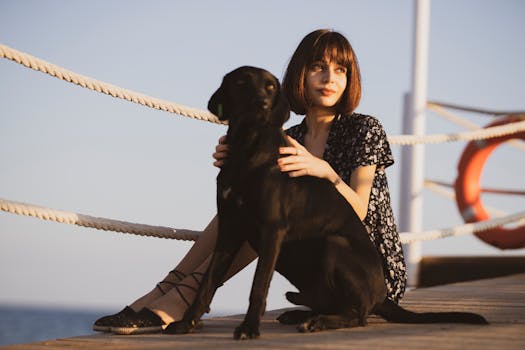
[{"x": 322, "y": 45}]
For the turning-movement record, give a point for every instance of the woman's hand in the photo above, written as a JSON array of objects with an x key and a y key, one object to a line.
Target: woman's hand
[
  {"x": 221, "y": 152},
  {"x": 300, "y": 162}
]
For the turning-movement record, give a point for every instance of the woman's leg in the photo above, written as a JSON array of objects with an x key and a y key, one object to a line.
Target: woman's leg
[
  {"x": 171, "y": 306},
  {"x": 196, "y": 256},
  {"x": 169, "y": 302}
]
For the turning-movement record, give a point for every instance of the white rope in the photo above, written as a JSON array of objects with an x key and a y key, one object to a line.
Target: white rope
[
  {"x": 165, "y": 232},
  {"x": 440, "y": 111},
  {"x": 407, "y": 237},
  {"x": 441, "y": 190},
  {"x": 93, "y": 84},
  {"x": 95, "y": 222},
  {"x": 475, "y": 110},
  {"x": 115, "y": 91},
  {"x": 189, "y": 235},
  {"x": 494, "y": 131}
]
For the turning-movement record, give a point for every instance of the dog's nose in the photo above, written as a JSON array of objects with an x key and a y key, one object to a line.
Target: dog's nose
[{"x": 262, "y": 102}]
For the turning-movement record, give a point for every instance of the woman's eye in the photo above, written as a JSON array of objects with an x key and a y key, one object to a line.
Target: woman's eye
[
  {"x": 316, "y": 67},
  {"x": 341, "y": 70}
]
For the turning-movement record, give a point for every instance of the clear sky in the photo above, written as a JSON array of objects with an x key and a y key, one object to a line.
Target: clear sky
[{"x": 65, "y": 147}]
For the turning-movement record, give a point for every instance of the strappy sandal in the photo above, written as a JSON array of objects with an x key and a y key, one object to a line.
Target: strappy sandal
[
  {"x": 146, "y": 321},
  {"x": 171, "y": 328},
  {"x": 178, "y": 274},
  {"x": 143, "y": 322},
  {"x": 105, "y": 323}
]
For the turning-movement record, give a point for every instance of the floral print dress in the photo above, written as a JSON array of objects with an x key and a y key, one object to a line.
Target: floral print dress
[{"x": 359, "y": 140}]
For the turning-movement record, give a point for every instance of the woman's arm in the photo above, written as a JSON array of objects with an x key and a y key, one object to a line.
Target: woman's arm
[{"x": 300, "y": 162}]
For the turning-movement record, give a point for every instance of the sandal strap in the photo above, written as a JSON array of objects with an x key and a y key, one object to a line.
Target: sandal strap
[
  {"x": 194, "y": 274},
  {"x": 179, "y": 274},
  {"x": 182, "y": 295},
  {"x": 160, "y": 288}
]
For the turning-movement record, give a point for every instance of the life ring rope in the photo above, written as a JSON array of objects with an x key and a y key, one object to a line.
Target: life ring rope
[{"x": 468, "y": 190}]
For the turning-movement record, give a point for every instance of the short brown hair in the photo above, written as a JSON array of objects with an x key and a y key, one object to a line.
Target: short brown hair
[{"x": 317, "y": 46}]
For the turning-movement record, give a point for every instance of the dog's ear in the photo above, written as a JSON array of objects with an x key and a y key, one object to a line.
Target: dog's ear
[
  {"x": 281, "y": 109},
  {"x": 217, "y": 103}
]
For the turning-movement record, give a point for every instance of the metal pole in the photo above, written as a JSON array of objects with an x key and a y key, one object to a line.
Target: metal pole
[{"x": 412, "y": 172}]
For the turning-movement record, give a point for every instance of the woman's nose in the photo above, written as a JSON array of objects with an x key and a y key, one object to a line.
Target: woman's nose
[{"x": 328, "y": 75}]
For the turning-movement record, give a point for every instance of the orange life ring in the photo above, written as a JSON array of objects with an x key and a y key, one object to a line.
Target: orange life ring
[{"x": 467, "y": 187}]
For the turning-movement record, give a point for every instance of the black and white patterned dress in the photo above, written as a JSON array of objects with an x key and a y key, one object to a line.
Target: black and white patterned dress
[{"x": 359, "y": 140}]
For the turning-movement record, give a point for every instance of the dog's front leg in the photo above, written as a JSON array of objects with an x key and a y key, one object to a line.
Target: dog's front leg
[{"x": 269, "y": 247}]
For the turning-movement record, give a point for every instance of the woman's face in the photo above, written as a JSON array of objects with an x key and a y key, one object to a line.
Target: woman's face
[{"x": 325, "y": 84}]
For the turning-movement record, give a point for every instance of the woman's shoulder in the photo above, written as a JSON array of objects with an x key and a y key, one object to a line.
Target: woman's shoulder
[{"x": 361, "y": 120}]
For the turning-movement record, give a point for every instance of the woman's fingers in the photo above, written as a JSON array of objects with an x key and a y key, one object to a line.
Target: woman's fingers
[
  {"x": 221, "y": 152},
  {"x": 288, "y": 150},
  {"x": 297, "y": 144}
]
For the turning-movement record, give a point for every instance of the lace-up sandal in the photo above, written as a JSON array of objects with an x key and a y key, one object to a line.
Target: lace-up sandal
[
  {"x": 146, "y": 321},
  {"x": 171, "y": 328},
  {"x": 142, "y": 322},
  {"x": 105, "y": 323}
]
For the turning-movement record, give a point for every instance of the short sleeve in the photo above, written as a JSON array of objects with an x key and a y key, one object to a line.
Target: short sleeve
[{"x": 371, "y": 146}]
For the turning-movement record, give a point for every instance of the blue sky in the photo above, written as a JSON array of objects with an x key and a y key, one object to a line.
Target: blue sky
[{"x": 69, "y": 148}]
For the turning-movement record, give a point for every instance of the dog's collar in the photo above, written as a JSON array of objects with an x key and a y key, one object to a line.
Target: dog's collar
[{"x": 219, "y": 110}]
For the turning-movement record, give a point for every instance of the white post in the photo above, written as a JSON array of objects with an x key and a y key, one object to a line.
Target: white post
[{"x": 412, "y": 160}]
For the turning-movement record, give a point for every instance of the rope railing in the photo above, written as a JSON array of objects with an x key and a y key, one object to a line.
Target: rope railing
[
  {"x": 484, "y": 189},
  {"x": 410, "y": 237},
  {"x": 118, "y": 92},
  {"x": 159, "y": 104},
  {"x": 105, "y": 88},
  {"x": 485, "y": 133},
  {"x": 432, "y": 104},
  {"x": 96, "y": 222},
  {"x": 446, "y": 114},
  {"x": 190, "y": 235}
]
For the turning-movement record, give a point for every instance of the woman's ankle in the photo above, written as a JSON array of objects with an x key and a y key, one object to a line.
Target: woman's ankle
[{"x": 172, "y": 306}]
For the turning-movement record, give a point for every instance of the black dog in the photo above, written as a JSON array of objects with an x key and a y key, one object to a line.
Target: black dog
[{"x": 301, "y": 227}]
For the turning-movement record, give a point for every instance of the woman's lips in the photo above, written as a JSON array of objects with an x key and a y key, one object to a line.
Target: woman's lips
[{"x": 326, "y": 92}]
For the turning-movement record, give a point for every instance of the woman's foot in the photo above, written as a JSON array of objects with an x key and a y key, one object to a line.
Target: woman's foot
[
  {"x": 164, "y": 310},
  {"x": 104, "y": 324},
  {"x": 142, "y": 322}
]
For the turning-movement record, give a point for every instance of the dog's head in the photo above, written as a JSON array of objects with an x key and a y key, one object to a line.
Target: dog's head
[{"x": 252, "y": 94}]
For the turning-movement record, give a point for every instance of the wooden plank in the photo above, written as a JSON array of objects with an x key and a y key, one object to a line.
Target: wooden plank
[{"x": 500, "y": 300}]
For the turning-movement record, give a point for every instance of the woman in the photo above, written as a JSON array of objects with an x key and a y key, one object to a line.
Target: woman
[{"x": 323, "y": 83}]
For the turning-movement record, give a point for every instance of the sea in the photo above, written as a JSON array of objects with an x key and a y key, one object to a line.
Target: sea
[{"x": 27, "y": 324}]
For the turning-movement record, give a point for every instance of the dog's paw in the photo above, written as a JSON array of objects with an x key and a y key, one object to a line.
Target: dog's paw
[
  {"x": 182, "y": 327},
  {"x": 311, "y": 325},
  {"x": 294, "y": 316},
  {"x": 244, "y": 332}
]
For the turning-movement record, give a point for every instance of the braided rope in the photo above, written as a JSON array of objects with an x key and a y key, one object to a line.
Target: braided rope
[
  {"x": 408, "y": 237},
  {"x": 95, "y": 222},
  {"x": 442, "y": 112},
  {"x": 189, "y": 235},
  {"x": 93, "y": 84},
  {"x": 486, "y": 133},
  {"x": 485, "y": 189},
  {"x": 475, "y": 110},
  {"x": 115, "y": 91}
]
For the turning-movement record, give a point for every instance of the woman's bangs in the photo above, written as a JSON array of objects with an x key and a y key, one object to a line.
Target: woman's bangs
[{"x": 331, "y": 48}]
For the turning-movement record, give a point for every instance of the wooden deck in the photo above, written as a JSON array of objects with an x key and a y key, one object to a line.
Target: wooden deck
[{"x": 500, "y": 300}]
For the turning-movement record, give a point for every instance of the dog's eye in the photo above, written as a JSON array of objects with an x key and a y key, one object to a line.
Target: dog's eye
[
  {"x": 240, "y": 82},
  {"x": 270, "y": 86}
]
